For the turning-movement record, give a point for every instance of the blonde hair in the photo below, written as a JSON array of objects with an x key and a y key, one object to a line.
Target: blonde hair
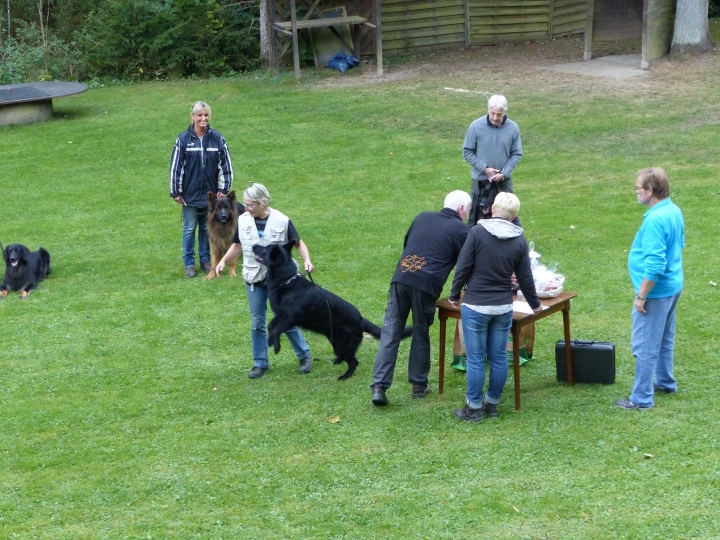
[
  {"x": 506, "y": 205},
  {"x": 257, "y": 193},
  {"x": 199, "y": 106}
]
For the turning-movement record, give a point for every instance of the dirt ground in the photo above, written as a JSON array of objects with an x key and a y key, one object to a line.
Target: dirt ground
[{"x": 475, "y": 68}]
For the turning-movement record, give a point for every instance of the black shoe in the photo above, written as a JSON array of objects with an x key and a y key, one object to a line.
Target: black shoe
[
  {"x": 190, "y": 272},
  {"x": 627, "y": 404},
  {"x": 205, "y": 267},
  {"x": 378, "y": 396},
  {"x": 306, "y": 365},
  {"x": 468, "y": 413},
  {"x": 420, "y": 392},
  {"x": 489, "y": 409},
  {"x": 257, "y": 372},
  {"x": 662, "y": 390}
]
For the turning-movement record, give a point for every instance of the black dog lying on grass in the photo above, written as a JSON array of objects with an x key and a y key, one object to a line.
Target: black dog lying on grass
[
  {"x": 24, "y": 269},
  {"x": 296, "y": 301}
]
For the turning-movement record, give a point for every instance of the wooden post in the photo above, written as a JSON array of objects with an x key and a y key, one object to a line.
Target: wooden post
[
  {"x": 467, "y": 23},
  {"x": 550, "y": 19},
  {"x": 589, "y": 30},
  {"x": 296, "y": 52},
  {"x": 378, "y": 38},
  {"x": 274, "y": 60}
]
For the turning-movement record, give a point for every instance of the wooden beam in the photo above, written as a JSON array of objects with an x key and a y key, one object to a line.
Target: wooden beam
[
  {"x": 587, "y": 55},
  {"x": 378, "y": 38}
]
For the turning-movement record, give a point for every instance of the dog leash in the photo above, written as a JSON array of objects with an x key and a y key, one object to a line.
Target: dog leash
[{"x": 327, "y": 302}]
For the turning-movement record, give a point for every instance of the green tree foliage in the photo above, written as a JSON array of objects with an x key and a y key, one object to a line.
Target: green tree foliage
[
  {"x": 148, "y": 39},
  {"x": 127, "y": 39}
]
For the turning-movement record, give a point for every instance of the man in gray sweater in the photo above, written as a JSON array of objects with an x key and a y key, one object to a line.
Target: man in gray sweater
[{"x": 493, "y": 149}]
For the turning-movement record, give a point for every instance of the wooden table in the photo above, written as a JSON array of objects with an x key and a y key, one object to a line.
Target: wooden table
[{"x": 561, "y": 303}]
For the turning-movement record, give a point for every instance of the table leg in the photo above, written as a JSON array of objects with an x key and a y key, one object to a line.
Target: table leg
[
  {"x": 441, "y": 374},
  {"x": 516, "y": 364},
  {"x": 568, "y": 344}
]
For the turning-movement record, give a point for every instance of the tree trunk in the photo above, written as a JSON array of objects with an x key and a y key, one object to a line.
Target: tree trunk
[
  {"x": 265, "y": 32},
  {"x": 691, "y": 33}
]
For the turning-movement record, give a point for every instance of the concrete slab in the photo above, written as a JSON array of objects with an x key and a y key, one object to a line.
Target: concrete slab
[
  {"x": 32, "y": 102},
  {"x": 621, "y": 66}
]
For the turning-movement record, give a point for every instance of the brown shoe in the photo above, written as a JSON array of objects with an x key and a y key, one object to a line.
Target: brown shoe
[{"x": 190, "y": 272}]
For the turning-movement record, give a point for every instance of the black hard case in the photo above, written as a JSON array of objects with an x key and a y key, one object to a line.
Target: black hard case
[{"x": 593, "y": 361}]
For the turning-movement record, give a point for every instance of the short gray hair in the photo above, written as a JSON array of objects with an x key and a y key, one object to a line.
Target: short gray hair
[
  {"x": 257, "y": 193},
  {"x": 456, "y": 199},
  {"x": 506, "y": 205},
  {"x": 498, "y": 101},
  {"x": 199, "y": 106}
]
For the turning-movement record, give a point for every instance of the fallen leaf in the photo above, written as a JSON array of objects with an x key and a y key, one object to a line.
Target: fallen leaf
[
  {"x": 648, "y": 456},
  {"x": 572, "y": 226},
  {"x": 515, "y": 508},
  {"x": 713, "y": 284},
  {"x": 215, "y": 389},
  {"x": 334, "y": 419}
]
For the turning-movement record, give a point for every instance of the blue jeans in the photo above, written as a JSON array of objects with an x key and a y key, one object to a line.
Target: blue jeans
[
  {"x": 257, "y": 301},
  {"x": 485, "y": 335},
  {"x": 652, "y": 345},
  {"x": 195, "y": 218}
]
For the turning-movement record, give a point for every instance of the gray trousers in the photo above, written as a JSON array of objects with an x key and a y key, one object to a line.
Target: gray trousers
[{"x": 402, "y": 300}]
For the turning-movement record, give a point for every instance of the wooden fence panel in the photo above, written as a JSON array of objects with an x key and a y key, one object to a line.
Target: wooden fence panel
[
  {"x": 493, "y": 21},
  {"x": 419, "y": 25},
  {"x": 568, "y": 17}
]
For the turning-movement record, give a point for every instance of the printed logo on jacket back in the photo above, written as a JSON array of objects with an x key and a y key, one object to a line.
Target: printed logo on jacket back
[{"x": 412, "y": 263}]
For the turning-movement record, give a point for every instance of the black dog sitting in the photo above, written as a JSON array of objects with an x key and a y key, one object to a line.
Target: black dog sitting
[
  {"x": 24, "y": 269},
  {"x": 296, "y": 301},
  {"x": 482, "y": 201}
]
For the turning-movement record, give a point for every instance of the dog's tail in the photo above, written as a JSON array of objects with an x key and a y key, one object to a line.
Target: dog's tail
[
  {"x": 374, "y": 330},
  {"x": 45, "y": 257}
]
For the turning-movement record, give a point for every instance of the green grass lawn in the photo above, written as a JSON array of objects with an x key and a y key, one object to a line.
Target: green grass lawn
[{"x": 125, "y": 409}]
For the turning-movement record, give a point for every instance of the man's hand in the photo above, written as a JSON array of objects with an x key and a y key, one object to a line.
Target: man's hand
[
  {"x": 454, "y": 303},
  {"x": 640, "y": 305},
  {"x": 490, "y": 172},
  {"x": 179, "y": 199},
  {"x": 499, "y": 177},
  {"x": 309, "y": 267}
]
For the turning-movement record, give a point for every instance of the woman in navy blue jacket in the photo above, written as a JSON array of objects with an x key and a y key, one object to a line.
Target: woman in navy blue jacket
[{"x": 200, "y": 164}]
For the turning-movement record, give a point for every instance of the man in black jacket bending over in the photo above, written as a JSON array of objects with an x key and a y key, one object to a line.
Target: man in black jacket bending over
[{"x": 432, "y": 245}]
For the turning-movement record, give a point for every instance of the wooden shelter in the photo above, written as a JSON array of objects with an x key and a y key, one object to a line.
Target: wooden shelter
[
  {"x": 363, "y": 14},
  {"x": 649, "y": 20}
]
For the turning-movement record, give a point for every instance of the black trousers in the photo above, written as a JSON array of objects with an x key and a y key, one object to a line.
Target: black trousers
[{"x": 403, "y": 300}]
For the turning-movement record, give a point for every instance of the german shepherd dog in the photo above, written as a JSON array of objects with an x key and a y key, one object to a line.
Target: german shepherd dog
[
  {"x": 24, "y": 269},
  {"x": 222, "y": 223},
  {"x": 296, "y": 301},
  {"x": 482, "y": 201}
]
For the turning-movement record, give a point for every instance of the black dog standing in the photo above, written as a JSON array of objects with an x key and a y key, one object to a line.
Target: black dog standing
[
  {"x": 296, "y": 301},
  {"x": 24, "y": 269}
]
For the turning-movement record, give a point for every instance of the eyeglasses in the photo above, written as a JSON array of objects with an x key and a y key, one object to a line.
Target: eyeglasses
[{"x": 639, "y": 187}]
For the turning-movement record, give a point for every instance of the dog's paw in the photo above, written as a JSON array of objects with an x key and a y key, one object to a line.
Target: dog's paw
[
  {"x": 209, "y": 276},
  {"x": 3, "y": 294},
  {"x": 233, "y": 273},
  {"x": 23, "y": 294},
  {"x": 337, "y": 361},
  {"x": 344, "y": 377}
]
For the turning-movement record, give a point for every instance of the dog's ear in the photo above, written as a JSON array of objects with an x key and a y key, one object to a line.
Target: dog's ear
[
  {"x": 211, "y": 197},
  {"x": 231, "y": 196},
  {"x": 25, "y": 253},
  {"x": 6, "y": 255}
]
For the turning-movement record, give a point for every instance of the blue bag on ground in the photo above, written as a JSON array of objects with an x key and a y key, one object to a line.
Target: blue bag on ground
[{"x": 342, "y": 62}]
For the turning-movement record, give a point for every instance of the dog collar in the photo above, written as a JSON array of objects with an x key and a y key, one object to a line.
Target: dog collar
[{"x": 289, "y": 280}]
